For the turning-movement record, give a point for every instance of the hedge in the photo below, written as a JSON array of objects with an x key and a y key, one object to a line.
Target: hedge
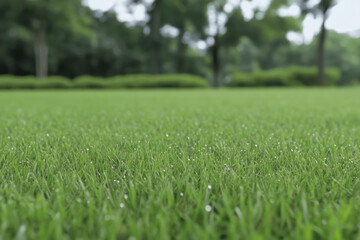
[
  {"x": 292, "y": 76},
  {"x": 127, "y": 81},
  {"x": 160, "y": 81}
]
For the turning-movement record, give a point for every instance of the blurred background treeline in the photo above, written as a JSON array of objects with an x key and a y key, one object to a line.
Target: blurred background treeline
[{"x": 196, "y": 37}]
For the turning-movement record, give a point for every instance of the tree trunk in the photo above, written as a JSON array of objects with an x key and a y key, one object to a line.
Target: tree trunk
[
  {"x": 155, "y": 38},
  {"x": 41, "y": 54},
  {"x": 216, "y": 61},
  {"x": 321, "y": 54},
  {"x": 181, "y": 47},
  {"x": 181, "y": 50}
]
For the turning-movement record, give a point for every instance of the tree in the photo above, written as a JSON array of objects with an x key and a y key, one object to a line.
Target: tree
[
  {"x": 271, "y": 31},
  {"x": 267, "y": 30},
  {"x": 154, "y": 23},
  {"x": 322, "y": 8},
  {"x": 190, "y": 18},
  {"x": 118, "y": 49},
  {"x": 216, "y": 29},
  {"x": 155, "y": 36},
  {"x": 46, "y": 18},
  {"x": 15, "y": 42}
]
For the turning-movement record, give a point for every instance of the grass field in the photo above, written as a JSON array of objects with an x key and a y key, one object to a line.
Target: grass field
[{"x": 189, "y": 164}]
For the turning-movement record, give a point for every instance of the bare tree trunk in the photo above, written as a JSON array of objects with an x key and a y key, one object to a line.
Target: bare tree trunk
[
  {"x": 321, "y": 54},
  {"x": 41, "y": 54},
  {"x": 181, "y": 51},
  {"x": 216, "y": 61},
  {"x": 155, "y": 38},
  {"x": 181, "y": 47}
]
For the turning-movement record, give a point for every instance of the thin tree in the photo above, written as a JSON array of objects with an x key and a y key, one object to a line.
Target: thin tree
[
  {"x": 50, "y": 17},
  {"x": 155, "y": 36},
  {"x": 154, "y": 24},
  {"x": 324, "y": 7},
  {"x": 190, "y": 19},
  {"x": 321, "y": 9},
  {"x": 216, "y": 30}
]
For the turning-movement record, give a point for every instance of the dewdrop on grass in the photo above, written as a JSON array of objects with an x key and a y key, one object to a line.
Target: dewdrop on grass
[{"x": 208, "y": 208}]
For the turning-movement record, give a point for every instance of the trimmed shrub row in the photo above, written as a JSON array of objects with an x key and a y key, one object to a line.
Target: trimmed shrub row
[
  {"x": 292, "y": 76},
  {"x": 127, "y": 81}
]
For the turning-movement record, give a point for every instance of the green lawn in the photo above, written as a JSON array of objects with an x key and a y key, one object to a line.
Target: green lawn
[{"x": 188, "y": 164}]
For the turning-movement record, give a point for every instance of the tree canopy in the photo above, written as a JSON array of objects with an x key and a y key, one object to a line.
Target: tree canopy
[{"x": 207, "y": 38}]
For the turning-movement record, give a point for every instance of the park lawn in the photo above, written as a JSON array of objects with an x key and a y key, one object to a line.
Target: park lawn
[{"x": 186, "y": 164}]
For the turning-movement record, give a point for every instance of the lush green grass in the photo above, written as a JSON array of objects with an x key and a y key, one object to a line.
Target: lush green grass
[{"x": 281, "y": 163}]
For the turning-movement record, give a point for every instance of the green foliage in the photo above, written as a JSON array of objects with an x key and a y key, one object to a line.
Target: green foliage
[
  {"x": 12, "y": 82},
  {"x": 240, "y": 79},
  {"x": 102, "y": 46},
  {"x": 53, "y": 82},
  {"x": 89, "y": 82},
  {"x": 186, "y": 15},
  {"x": 292, "y": 76},
  {"x": 307, "y": 76},
  {"x": 30, "y": 82},
  {"x": 54, "y": 17},
  {"x": 159, "y": 81},
  {"x": 262, "y": 78},
  {"x": 238, "y": 27},
  {"x": 127, "y": 81}
]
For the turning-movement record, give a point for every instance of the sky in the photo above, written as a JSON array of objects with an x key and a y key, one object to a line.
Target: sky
[{"x": 343, "y": 18}]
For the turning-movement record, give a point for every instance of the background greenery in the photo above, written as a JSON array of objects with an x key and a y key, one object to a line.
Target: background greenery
[
  {"x": 291, "y": 76},
  {"x": 72, "y": 40}
]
